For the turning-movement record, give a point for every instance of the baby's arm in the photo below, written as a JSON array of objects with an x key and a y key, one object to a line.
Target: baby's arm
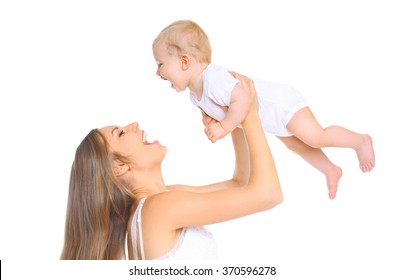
[{"x": 236, "y": 113}]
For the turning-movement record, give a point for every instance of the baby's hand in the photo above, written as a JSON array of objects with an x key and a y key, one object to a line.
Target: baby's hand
[
  {"x": 206, "y": 119},
  {"x": 215, "y": 131}
]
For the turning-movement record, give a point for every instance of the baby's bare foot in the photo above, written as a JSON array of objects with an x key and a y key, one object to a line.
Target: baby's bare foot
[
  {"x": 366, "y": 154},
  {"x": 332, "y": 181}
]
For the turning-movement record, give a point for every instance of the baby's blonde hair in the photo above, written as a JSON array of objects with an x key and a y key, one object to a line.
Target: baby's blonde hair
[{"x": 186, "y": 37}]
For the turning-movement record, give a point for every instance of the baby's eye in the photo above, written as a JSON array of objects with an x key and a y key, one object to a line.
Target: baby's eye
[{"x": 121, "y": 133}]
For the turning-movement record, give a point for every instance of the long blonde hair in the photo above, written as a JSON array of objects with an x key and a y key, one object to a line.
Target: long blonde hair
[
  {"x": 186, "y": 37},
  {"x": 98, "y": 205}
]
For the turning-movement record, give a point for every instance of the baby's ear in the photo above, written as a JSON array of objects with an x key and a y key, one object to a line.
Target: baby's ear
[
  {"x": 120, "y": 168},
  {"x": 185, "y": 61}
]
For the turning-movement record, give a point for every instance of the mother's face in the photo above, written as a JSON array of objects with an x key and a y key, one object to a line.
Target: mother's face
[{"x": 129, "y": 141}]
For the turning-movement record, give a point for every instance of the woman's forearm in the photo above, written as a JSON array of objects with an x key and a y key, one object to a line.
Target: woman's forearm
[
  {"x": 242, "y": 158},
  {"x": 263, "y": 175}
]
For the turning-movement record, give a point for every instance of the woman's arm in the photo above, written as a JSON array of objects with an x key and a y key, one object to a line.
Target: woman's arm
[{"x": 177, "y": 209}]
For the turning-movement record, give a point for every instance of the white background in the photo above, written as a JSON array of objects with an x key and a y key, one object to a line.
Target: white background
[{"x": 69, "y": 66}]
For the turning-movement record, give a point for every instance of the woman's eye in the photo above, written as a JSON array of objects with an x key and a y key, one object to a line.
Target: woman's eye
[{"x": 121, "y": 133}]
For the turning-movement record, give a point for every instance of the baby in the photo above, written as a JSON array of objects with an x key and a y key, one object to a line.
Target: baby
[{"x": 183, "y": 55}]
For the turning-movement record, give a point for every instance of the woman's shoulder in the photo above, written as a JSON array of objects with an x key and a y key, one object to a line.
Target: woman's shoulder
[{"x": 157, "y": 204}]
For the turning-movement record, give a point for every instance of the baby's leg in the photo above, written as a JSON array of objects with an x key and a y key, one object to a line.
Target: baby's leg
[
  {"x": 318, "y": 159},
  {"x": 305, "y": 127}
]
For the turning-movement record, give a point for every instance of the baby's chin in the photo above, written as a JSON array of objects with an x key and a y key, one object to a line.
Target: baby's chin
[{"x": 177, "y": 89}]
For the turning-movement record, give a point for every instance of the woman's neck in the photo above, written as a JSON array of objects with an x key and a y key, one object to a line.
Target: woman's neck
[{"x": 147, "y": 183}]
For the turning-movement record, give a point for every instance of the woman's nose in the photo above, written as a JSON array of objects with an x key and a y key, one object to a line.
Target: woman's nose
[{"x": 133, "y": 126}]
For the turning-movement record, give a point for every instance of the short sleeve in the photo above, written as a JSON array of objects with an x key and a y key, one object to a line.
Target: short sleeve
[{"x": 218, "y": 84}]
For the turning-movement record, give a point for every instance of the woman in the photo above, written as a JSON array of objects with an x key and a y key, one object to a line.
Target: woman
[{"x": 117, "y": 186}]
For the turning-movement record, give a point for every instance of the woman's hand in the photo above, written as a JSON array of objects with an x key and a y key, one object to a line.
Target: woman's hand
[{"x": 249, "y": 88}]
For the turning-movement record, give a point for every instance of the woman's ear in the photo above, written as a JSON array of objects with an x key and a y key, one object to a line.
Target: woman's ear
[{"x": 120, "y": 168}]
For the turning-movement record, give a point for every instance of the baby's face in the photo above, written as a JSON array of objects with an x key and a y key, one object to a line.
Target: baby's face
[{"x": 170, "y": 67}]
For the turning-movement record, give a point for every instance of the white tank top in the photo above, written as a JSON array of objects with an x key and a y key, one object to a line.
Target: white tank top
[{"x": 194, "y": 243}]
